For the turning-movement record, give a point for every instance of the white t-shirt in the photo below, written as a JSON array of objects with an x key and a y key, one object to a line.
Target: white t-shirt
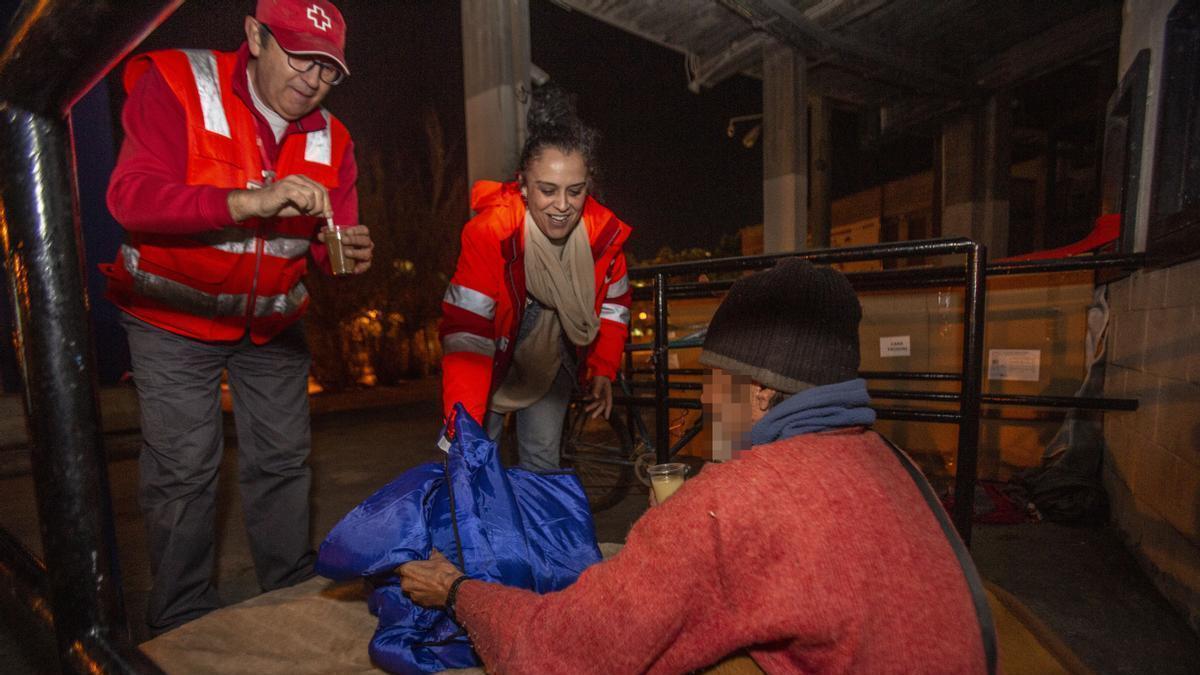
[{"x": 277, "y": 122}]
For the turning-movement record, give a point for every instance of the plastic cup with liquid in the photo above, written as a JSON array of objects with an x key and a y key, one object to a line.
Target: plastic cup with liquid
[
  {"x": 665, "y": 479},
  {"x": 337, "y": 253}
]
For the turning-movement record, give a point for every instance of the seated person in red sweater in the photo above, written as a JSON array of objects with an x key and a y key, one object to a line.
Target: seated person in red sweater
[{"x": 814, "y": 551}]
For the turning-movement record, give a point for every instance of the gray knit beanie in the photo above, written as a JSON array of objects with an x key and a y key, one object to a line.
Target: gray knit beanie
[{"x": 791, "y": 327}]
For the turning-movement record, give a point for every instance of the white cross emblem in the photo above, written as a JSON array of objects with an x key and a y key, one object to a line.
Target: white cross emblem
[{"x": 319, "y": 18}]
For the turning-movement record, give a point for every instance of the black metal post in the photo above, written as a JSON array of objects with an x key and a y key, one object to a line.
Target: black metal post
[
  {"x": 47, "y": 280},
  {"x": 918, "y": 248},
  {"x": 677, "y": 386},
  {"x": 914, "y": 415},
  {"x": 1074, "y": 402},
  {"x": 662, "y": 410},
  {"x": 58, "y": 49},
  {"x": 904, "y": 375},
  {"x": 654, "y": 401},
  {"x": 627, "y": 386},
  {"x": 674, "y": 371},
  {"x": 908, "y": 278},
  {"x": 23, "y": 580},
  {"x": 46, "y": 275},
  {"x": 951, "y": 274},
  {"x": 972, "y": 383}
]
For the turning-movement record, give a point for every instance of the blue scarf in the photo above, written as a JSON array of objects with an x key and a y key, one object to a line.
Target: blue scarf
[{"x": 842, "y": 404}]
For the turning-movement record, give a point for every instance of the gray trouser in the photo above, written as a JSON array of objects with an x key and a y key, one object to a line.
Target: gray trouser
[
  {"x": 178, "y": 383},
  {"x": 539, "y": 427}
]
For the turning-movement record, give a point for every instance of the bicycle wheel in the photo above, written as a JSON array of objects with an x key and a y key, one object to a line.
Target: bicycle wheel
[{"x": 600, "y": 452}]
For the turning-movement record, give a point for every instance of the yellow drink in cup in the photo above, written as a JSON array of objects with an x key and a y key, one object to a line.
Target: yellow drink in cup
[{"x": 665, "y": 479}]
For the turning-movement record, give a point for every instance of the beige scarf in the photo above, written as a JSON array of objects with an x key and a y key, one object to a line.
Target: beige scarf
[{"x": 562, "y": 278}]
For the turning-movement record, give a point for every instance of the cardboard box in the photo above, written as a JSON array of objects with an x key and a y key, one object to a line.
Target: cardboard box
[
  {"x": 860, "y": 233},
  {"x": 1042, "y": 313}
]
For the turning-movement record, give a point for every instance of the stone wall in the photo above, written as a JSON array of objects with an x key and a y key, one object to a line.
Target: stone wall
[{"x": 1152, "y": 461}]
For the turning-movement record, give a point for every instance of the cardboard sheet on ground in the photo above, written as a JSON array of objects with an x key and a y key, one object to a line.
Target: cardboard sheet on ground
[
  {"x": 315, "y": 627},
  {"x": 318, "y": 626}
]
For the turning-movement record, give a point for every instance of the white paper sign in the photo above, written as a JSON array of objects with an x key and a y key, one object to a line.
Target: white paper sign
[
  {"x": 897, "y": 345},
  {"x": 1021, "y": 365}
]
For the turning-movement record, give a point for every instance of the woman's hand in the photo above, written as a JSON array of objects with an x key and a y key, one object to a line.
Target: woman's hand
[
  {"x": 600, "y": 398},
  {"x": 428, "y": 582}
]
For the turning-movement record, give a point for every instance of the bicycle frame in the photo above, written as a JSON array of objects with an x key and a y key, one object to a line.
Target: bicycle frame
[{"x": 636, "y": 426}]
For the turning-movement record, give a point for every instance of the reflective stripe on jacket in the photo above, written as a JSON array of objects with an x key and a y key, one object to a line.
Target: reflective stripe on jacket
[
  {"x": 215, "y": 285},
  {"x": 482, "y": 308}
]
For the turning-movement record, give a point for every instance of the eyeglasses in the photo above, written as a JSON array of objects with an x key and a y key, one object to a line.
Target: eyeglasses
[{"x": 329, "y": 73}]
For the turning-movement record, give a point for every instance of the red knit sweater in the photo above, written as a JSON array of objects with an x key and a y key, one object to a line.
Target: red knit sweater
[{"x": 817, "y": 553}]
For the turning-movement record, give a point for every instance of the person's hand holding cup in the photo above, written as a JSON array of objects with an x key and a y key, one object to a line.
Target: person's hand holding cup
[{"x": 350, "y": 248}]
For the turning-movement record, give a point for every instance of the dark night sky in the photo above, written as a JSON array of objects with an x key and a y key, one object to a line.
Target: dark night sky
[{"x": 666, "y": 166}]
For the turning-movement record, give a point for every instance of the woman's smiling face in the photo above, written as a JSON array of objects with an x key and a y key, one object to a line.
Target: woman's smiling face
[{"x": 555, "y": 185}]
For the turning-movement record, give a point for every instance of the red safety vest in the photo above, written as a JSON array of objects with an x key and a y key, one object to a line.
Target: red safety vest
[
  {"x": 485, "y": 302},
  {"x": 215, "y": 286}
]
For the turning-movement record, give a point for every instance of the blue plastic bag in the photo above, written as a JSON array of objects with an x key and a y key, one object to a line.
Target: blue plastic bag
[{"x": 512, "y": 526}]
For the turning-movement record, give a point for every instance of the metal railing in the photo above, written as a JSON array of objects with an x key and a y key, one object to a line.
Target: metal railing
[
  {"x": 970, "y": 399},
  {"x": 57, "y": 50}
]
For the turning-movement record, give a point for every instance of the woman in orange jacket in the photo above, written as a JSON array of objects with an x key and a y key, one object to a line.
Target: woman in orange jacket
[{"x": 539, "y": 300}]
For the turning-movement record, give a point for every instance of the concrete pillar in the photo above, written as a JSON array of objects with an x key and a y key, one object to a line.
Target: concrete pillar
[
  {"x": 820, "y": 183},
  {"x": 958, "y": 175},
  {"x": 997, "y": 174},
  {"x": 976, "y": 164},
  {"x": 785, "y": 151},
  {"x": 496, "y": 85}
]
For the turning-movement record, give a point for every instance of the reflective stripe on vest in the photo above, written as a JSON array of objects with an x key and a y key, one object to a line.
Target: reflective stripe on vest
[
  {"x": 614, "y": 312},
  {"x": 284, "y": 304},
  {"x": 318, "y": 147},
  {"x": 204, "y": 71},
  {"x": 471, "y": 300},
  {"x": 207, "y": 305},
  {"x": 242, "y": 240},
  {"x": 618, "y": 288},
  {"x": 468, "y": 342}
]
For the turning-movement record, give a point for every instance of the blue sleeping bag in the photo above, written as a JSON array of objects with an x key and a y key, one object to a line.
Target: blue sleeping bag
[{"x": 512, "y": 526}]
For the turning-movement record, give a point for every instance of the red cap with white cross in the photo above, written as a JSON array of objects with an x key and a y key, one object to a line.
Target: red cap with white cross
[{"x": 313, "y": 27}]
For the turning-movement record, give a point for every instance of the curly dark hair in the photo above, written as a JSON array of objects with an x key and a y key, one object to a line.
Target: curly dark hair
[{"x": 553, "y": 123}]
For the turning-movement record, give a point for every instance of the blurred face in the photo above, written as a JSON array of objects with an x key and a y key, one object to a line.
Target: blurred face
[
  {"x": 729, "y": 403},
  {"x": 284, "y": 89},
  {"x": 734, "y": 404},
  {"x": 555, "y": 185}
]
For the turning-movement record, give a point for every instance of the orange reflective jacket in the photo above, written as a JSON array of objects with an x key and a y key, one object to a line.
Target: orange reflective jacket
[
  {"x": 215, "y": 285},
  {"x": 483, "y": 306}
]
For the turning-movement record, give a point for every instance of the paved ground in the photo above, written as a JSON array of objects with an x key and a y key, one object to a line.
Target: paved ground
[{"x": 1080, "y": 582}]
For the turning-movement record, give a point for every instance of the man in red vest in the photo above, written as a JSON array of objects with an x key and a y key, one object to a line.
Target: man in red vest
[{"x": 228, "y": 173}]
